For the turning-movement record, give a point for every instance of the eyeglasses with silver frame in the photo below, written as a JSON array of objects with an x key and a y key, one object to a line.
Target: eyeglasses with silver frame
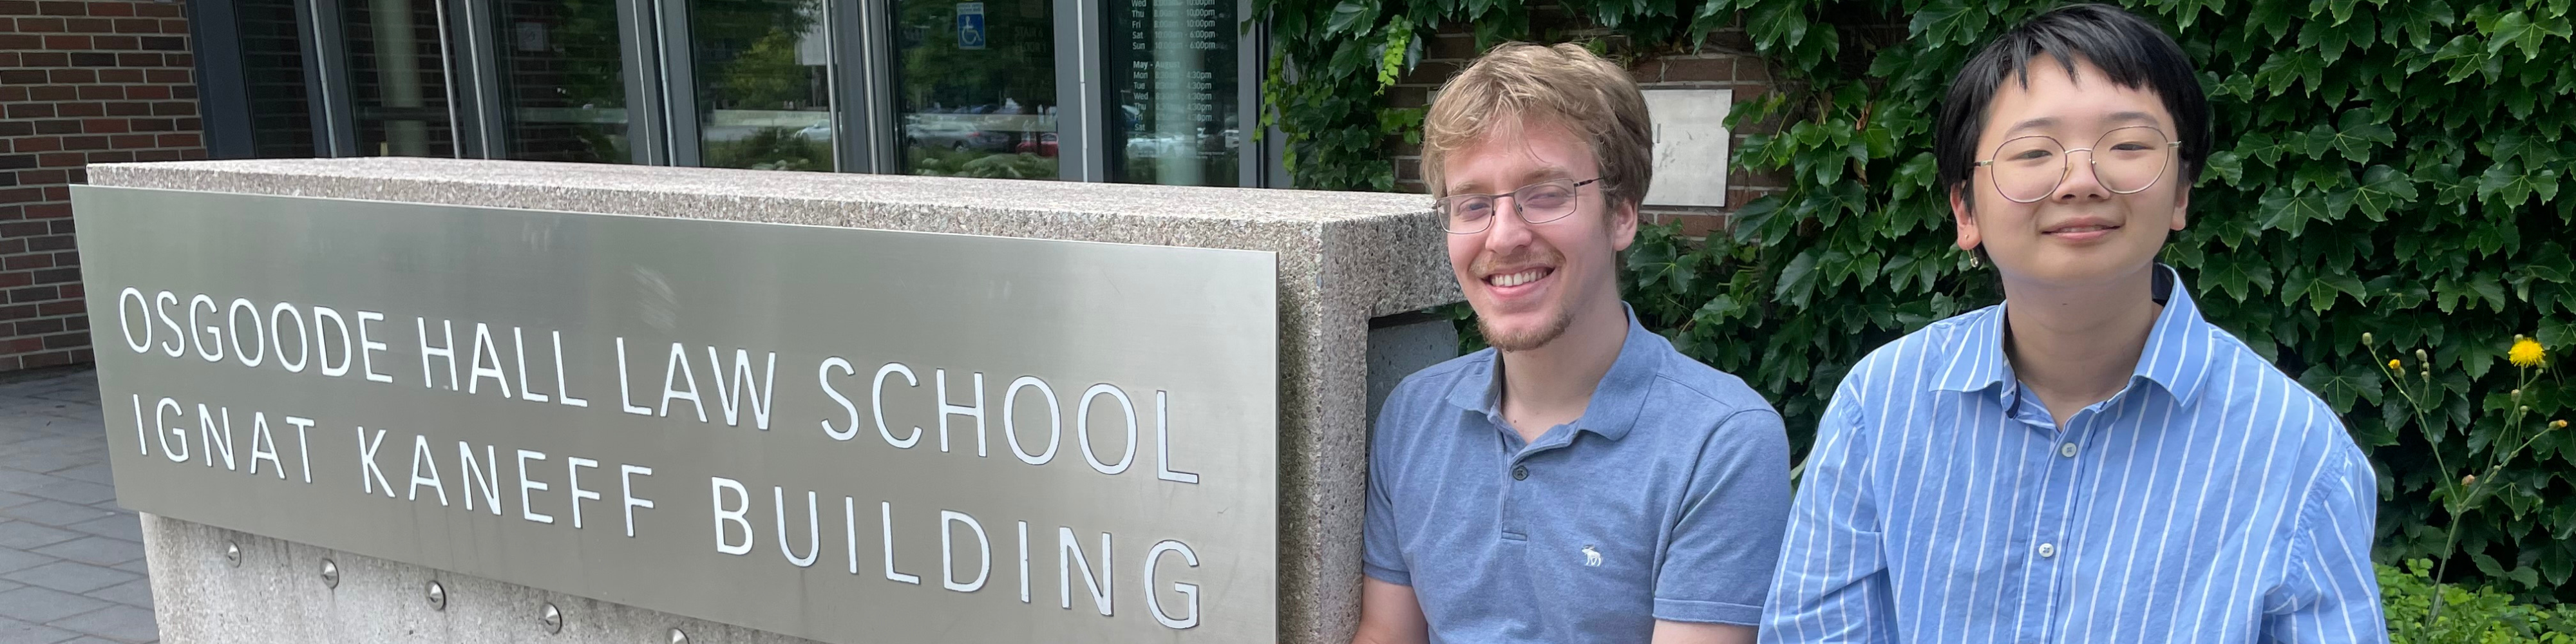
[
  {"x": 1537, "y": 203},
  {"x": 2126, "y": 160}
]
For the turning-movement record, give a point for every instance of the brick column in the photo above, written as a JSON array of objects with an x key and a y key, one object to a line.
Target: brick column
[{"x": 81, "y": 82}]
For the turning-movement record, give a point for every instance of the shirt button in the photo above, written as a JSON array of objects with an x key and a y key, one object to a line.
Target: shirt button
[
  {"x": 1520, "y": 472},
  {"x": 2066, "y": 450},
  {"x": 2047, "y": 550}
]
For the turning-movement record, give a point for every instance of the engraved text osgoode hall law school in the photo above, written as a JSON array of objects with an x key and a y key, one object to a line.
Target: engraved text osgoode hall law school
[{"x": 840, "y": 434}]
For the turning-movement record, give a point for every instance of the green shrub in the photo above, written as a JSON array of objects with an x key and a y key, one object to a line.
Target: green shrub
[{"x": 2469, "y": 616}]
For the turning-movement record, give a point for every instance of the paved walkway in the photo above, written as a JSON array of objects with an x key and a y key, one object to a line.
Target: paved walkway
[{"x": 71, "y": 561}]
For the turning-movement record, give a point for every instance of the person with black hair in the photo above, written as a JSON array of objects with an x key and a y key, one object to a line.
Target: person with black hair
[{"x": 2090, "y": 461}]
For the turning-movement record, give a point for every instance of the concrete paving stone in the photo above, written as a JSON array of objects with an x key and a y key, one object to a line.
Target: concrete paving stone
[
  {"x": 13, "y": 431},
  {"x": 89, "y": 448},
  {"x": 49, "y": 415},
  {"x": 19, "y": 408},
  {"x": 68, "y": 427},
  {"x": 12, "y": 498},
  {"x": 15, "y": 479},
  {"x": 95, "y": 472},
  {"x": 40, "y": 605},
  {"x": 73, "y": 443},
  {"x": 71, "y": 491},
  {"x": 59, "y": 514},
  {"x": 42, "y": 462},
  {"x": 17, "y": 632},
  {"x": 21, "y": 535},
  {"x": 122, "y": 526},
  {"x": 84, "y": 394},
  {"x": 98, "y": 550},
  {"x": 71, "y": 576},
  {"x": 138, "y": 566},
  {"x": 132, "y": 593},
  {"x": 12, "y": 560},
  {"x": 93, "y": 639},
  {"x": 119, "y": 622}
]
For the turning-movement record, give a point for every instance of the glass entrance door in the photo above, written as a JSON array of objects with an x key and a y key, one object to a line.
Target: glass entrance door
[
  {"x": 565, "y": 93},
  {"x": 764, "y": 92},
  {"x": 975, "y": 88},
  {"x": 398, "y": 78},
  {"x": 1171, "y": 109}
]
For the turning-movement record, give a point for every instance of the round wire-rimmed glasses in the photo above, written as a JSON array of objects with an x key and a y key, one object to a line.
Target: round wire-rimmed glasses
[
  {"x": 1537, "y": 203},
  {"x": 2126, "y": 160}
]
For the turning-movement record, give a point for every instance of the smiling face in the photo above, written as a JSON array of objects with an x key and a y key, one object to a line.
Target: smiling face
[
  {"x": 2085, "y": 232},
  {"x": 1529, "y": 282}
]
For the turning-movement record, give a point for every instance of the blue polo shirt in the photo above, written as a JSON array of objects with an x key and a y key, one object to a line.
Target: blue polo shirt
[{"x": 1666, "y": 500}]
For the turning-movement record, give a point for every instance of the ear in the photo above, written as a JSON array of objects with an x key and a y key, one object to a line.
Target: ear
[
  {"x": 2182, "y": 206},
  {"x": 1623, "y": 225},
  {"x": 1967, "y": 221}
]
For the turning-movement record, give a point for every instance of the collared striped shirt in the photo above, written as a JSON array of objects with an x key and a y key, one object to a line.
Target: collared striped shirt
[{"x": 2212, "y": 500}]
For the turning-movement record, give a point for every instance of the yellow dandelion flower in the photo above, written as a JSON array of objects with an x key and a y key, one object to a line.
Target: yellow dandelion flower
[
  {"x": 2392, "y": 364},
  {"x": 2525, "y": 353},
  {"x": 2558, "y": 424}
]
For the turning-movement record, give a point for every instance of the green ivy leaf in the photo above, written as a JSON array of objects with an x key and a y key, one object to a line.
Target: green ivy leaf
[
  {"x": 2290, "y": 212},
  {"x": 2506, "y": 184},
  {"x": 2383, "y": 189},
  {"x": 2225, "y": 166},
  {"x": 1897, "y": 275},
  {"x": 2291, "y": 66},
  {"x": 1947, "y": 22},
  {"x": 2415, "y": 21},
  {"x": 1916, "y": 175},
  {"x": 2273, "y": 17},
  {"x": 1719, "y": 310},
  {"x": 2342, "y": 387},
  {"x": 1651, "y": 263},
  {"x": 1797, "y": 280},
  {"x": 2513, "y": 29},
  {"x": 1350, "y": 16},
  {"x": 2557, "y": 335},
  {"x": 2358, "y": 133}
]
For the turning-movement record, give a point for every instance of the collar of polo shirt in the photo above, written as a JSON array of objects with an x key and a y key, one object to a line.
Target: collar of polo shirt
[{"x": 1615, "y": 401}]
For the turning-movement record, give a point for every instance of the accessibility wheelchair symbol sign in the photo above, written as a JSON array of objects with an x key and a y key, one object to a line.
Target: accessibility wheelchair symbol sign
[{"x": 970, "y": 25}]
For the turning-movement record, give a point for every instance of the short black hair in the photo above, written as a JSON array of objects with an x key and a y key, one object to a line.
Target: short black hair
[{"x": 2131, "y": 52}]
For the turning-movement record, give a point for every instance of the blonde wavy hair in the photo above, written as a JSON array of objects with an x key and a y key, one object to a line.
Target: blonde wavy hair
[{"x": 1564, "y": 85}]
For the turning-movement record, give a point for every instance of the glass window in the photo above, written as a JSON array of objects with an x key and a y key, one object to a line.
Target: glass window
[
  {"x": 281, "y": 124},
  {"x": 1171, "y": 109},
  {"x": 764, "y": 99},
  {"x": 398, "y": 78},
  {"x": 565, "y": 93},
  {"x": 975, "y": 87}
]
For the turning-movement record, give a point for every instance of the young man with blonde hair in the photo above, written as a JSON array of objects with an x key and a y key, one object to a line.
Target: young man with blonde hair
[{"x": 1580, "y": 481}]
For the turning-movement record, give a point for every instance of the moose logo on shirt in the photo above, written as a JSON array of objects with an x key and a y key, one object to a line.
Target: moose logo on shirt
[{"x": 1591, "y": 558}]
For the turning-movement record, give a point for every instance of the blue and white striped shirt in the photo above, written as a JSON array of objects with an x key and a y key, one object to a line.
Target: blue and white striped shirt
[{"x": 2213, "y": 500}]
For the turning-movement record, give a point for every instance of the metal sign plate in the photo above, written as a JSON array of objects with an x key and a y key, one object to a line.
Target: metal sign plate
[{"x": 839, "y": 434}]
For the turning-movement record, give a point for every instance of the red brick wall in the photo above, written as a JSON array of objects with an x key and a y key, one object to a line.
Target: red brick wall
[
  {"x": 81, "y": 82},
  {"x": 1724, "y": 62}
]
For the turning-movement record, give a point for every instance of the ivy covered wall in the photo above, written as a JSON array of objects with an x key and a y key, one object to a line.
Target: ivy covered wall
[{"x": 2382, "y": 167}]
